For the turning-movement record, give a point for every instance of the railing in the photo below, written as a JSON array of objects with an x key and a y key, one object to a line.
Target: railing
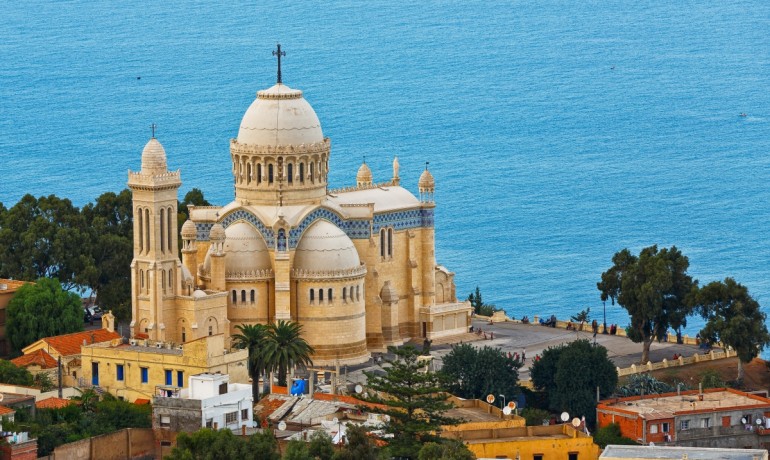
[{"x": 681, "y": 361}]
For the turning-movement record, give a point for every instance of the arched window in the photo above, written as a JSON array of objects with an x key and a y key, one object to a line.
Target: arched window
[
  {"x": 235, "y": 296},
  {"x": 243, "y": 295},
  {"x": 169, "y": 229},
  {"x": 290, "y": 170},
  {"x": 270, "y": 174},
  {"x": 312, "y": 295},
  {"x": 211, "y": 330},
  {"x": 141, "y": 230},
  {"x": 311, "y": 172},
  {"x": 147, "y": 230},
  {"x": 390, "y": 242},
  {"x": 163, "y": 232},
  {"x": 302, "y": 173},
  {"x": 259, "y": 173},
  {"x": 171, "y": 280},
  {"x": 184, "y": 335},
  {"x": 330, "y": 295},
  {"x": 320, "y": 295},
  {"x": 382, "y": 243},
  {"x": 163, "y": 280},
  {"x": 345, "y": 294},
  {"x": 141, "y": 279},
  {"x": 253, "y": 295},
  {"x": 248, "y": 173}
]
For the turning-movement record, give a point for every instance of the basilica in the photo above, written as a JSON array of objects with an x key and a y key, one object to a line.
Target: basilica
[{"x": 355, "y": 266}]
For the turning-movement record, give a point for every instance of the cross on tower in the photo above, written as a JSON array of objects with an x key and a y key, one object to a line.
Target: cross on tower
[
  {"x": 279, "y": 53},
  {"x": 153, "y": 126},
  {"x": 426, "y": 165}
]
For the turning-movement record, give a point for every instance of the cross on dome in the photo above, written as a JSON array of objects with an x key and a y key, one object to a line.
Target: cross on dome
[
  {"x": 152, "y": 127},
  {"x": 279, "y": 53}
]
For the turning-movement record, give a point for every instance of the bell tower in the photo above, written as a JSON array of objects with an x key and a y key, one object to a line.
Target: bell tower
[{"x": 155, "y": 269}]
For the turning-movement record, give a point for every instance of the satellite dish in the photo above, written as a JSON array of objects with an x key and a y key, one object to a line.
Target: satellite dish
[
  {"x": 507, "y": 410},
  {"x": 576, "y": 422},
  {"x": 359, "y": 389},
  {"x": 282, "y": 426},
  {"x": 759, "y": 421},
  {"x": 512, "y": 405},
  {"x": 564, "y": 416},
  {"x": 490, "y": 398},
  {"x": 743, "y": 420}
]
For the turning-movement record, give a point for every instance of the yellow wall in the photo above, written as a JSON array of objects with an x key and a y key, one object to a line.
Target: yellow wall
[
  {"x": 552, "y": 442},
  {"x": 203, "y": 355}
]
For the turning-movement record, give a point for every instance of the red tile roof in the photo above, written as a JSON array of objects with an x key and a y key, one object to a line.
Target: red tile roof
[
  {"x": 54, "y": 403},
  {"x": 69, "y": 344},
  {"x": 6, "y": 410},
  {"x": 36, "y": 358},
  {"x": 142, "y": 402}
]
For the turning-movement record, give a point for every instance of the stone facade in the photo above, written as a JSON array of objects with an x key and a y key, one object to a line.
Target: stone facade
[{"x": 354, "y": 266}]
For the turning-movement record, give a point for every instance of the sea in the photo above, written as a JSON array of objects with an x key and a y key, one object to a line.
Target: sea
[{"x": 558, "y": 132}]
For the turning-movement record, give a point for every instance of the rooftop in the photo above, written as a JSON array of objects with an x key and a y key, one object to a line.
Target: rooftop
[
  {"x": 667, "y": 405},
  {"x": 6, "y": 410},
  {"x": 37, "y": 358},
  {"x": 8, "y": 286},
  {"x": 692, "y": 453},
  {"x": 54, "y": 403},
  {"x": 69, "y": 344}
]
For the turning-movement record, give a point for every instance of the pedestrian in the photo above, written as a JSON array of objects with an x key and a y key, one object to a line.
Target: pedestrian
[
  {"x": 491, "y": 335},
  {"x": 523, "y": 354}
]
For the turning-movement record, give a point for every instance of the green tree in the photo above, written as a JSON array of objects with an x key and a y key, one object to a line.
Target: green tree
[
  {"x": 611, "y": 434},
  {"x": 296, "y": 450},
  {"x": 582, "y": 316},
  {"x": 448, "y": 450},
  {"x": 224, "y": 445},
  {"x": 320, "y": 446},
  {"x": 654, "y": 288},
  {"x": 534, "y": 416},
  {"x": 358, "y": 445},
  {"x": 253, "y": 338},
  {"x": 734, "y": 318},
  {"x": 472, "y": 372},
  {"x": 46, "y": 237},
  {"x": 286, "y": 349},
  {"x": 11, "y": 374},
  {"x": 475, "y": 299},
  {"x": 40, "y": 310},
  {"x": 570, "y": 374},
  {"x": 110, "y": 220},
  {"x": 416, "y": 402}
]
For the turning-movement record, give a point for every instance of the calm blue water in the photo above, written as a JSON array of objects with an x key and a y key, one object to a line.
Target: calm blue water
[{"x": 558, "y": 132}]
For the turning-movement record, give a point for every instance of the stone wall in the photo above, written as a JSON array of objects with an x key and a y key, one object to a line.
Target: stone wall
[{"x": 131, "y": 443}]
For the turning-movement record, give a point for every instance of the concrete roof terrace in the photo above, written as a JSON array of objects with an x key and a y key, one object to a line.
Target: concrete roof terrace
[{"x": 688, "y": 402}]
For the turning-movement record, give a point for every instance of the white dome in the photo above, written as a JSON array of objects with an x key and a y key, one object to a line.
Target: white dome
[
  {"x": 154, "y": 158},
  {"x": 280, "y": 116},
  {"x": 324, "y": 247},
  {"x": 245, "y": 250}
]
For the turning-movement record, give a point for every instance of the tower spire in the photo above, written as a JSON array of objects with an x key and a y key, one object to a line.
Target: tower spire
[{"x": 279, "y": 53}]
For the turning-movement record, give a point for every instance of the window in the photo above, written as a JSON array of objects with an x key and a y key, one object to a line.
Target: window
[
  {"x": 382, "y": 243},
  {"x": 169, "y": 231},
  {"x": 330, "y": 294},
  {"x": 144, "y": 374},
  {"x": 572, "y": 456},
  {"x": 168, "y": 377},
  {"x": 231, "y": 417},
  {"x": 291, "y": 173},
  {"x": 259, "y": 173},
  {"x": 269, "y": 174},
  {"x": 312, "y": 295},
  {"x": 302, "y": 173},
  {"x": 184, "y": 335},
  {"x": 223, "y": 388},
  {"x": 311, "y": 172},
  {"x": 358, "y": 292},
  {"x": 163, "y": 280},
  {"x": 748, "y": 419},
  {"x": 162, "y": 231},
  {"x": 209, "y": 423},
  {"x": 248, "y": 173},
  {"x": 211, "y": 330},
  {"x": 664, "y": 427},
  {"x": 537, "y": 457},
  {"x": 180, "y": 379},
  {"x": 147, "y": 229},
  {"x": 684, "y": 425},
  {"x": 345, "y": 294},
  {"x": 119, "y": 369},
  {"x": 253, "y": 295},
  {"x": 705, "y": 422},
  {"x": 320, "y": 295},
  {"x": 95, "y": 374},
  {"x": 243, "y": 295},
  {"x": 165, "y": 421},
  {"x": 235, "y": 296},
  {"x": 171, "y": 280},
  {"x": 244, "y": 414},
  {"x": 654, "y": 428},
  {"x": 141, "y": 278},
  {"x": 141, "y": 231},
  {"x": 390, "y": 242}
]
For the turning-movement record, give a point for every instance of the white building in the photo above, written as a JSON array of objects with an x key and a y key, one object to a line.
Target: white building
[{"x": 210, "y": 401}]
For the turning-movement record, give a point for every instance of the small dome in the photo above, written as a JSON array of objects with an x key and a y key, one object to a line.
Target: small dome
[
  {"x": 198, "y": 294},
  {"x": 245, "y": 250},
  {"x": 426, "y": 181},
  {"x": 189, "y": 232},
  {"x": 153, "y": 158},
  {"x": 217, "y": 232},
  {"x": 388, "y": 293},
  {"x": 324, "y": 247},
  {"x": 364, "y": 176},
  {"x": 280, "y": 116}
]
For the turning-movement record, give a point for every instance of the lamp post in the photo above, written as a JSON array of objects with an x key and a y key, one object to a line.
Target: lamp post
[{"x": 503, "y": 403}]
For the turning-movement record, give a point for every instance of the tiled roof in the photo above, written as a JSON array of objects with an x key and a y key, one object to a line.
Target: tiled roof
[
  {"x": 54, "y": 403},
  {"x": 142, "y": 401},
  {"x": 36, "y": 358},
  {"x": 12, "y": 285},
  {"x": 69, "y": 344},
  {"x": 6, "y": 410}
]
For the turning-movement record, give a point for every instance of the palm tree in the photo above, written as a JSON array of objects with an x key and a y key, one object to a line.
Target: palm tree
[
  {"x": 286, "y": 349},
  {"x": 253, "y": 337}
]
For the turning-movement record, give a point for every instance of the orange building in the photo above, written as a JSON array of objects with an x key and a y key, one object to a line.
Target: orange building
[
  {"x": 717, "y": 417},
  {"x": 8, "y": 289}
]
